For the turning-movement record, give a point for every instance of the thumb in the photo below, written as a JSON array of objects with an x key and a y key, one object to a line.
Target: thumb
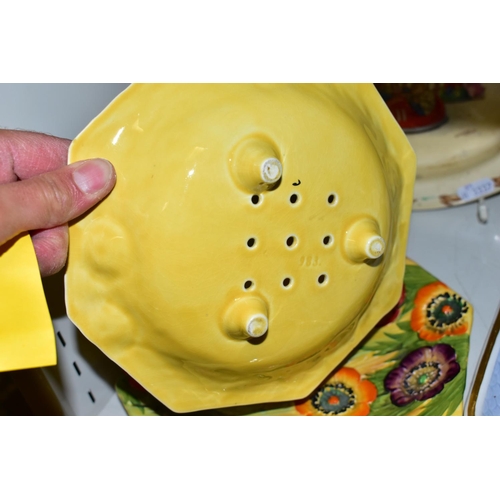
[{"x": 53, "y": 198}]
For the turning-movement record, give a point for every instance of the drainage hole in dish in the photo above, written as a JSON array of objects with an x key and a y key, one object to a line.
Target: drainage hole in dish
[
  {"x": 255, "y": 199},
  {"x": 332, "y": 199},
  {"x": 322, "y": 279},
  {"x": 328, "y": 240},
  {"x": 251, "y": 242}
]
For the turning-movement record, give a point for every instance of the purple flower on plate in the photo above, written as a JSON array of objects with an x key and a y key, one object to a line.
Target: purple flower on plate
[{"x": 422, "y": 374}]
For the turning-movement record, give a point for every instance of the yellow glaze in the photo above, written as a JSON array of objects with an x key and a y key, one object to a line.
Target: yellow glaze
[
  {"x": 255, "y": 236},
  {"x": 26, "y": 332}
]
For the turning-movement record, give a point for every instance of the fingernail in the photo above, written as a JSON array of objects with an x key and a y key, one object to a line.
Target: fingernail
[{"x": 93, "y": 175}]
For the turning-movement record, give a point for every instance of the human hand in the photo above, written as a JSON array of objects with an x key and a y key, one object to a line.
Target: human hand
[{"x": 40, "y": 193}]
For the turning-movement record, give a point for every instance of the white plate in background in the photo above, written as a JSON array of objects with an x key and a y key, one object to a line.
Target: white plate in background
[{"x": 460, "y": 161}]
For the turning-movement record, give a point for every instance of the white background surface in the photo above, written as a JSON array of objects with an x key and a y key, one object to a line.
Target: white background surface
[{"x": 450, "y": 243}]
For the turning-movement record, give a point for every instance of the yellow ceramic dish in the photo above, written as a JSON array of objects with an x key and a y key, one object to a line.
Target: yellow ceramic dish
[{"x": 256, "y": 234}]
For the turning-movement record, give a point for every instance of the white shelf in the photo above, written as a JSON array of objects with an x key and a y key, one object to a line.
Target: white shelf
[{"x": 84, "y": 378}]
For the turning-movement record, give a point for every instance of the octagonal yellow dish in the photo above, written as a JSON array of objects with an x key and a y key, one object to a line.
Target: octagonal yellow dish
[{"x": 255, "y": 235}]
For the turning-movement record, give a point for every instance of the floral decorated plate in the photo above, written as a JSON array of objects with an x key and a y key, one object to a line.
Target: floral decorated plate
[{"x": 413, "y": 363}]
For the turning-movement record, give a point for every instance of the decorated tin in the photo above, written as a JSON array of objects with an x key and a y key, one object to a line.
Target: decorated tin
[{"x": 417, "y": 107}]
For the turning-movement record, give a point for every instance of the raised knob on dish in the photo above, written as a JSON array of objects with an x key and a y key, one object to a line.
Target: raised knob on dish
[
  {"x": 256, "y": 166},
  {"x": 246, "y": 318},
  {"x": 363, "y": 241}
]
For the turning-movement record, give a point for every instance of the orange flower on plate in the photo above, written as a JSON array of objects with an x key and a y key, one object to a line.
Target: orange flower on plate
[
  {"x": 344, "y": 393},
  {"x": 439, "y": 311}
]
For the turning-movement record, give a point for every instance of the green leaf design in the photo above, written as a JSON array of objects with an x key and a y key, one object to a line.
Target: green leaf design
[
  {"x": 383, "y": 406},
  {"x": 132, "y": 405},
  {"x": 415, "y": 278},
  {"x": 405, "y": 341},
  {"x": 444, "y": 403}
]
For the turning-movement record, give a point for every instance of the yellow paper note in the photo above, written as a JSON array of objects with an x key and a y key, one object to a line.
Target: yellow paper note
[{"x": 26, "y": 331}]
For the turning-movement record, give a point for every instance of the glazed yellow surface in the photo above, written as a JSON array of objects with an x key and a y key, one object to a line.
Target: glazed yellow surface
[
  {"x": 26, "y": 332},
  {"x": 213, "y": 287}
]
